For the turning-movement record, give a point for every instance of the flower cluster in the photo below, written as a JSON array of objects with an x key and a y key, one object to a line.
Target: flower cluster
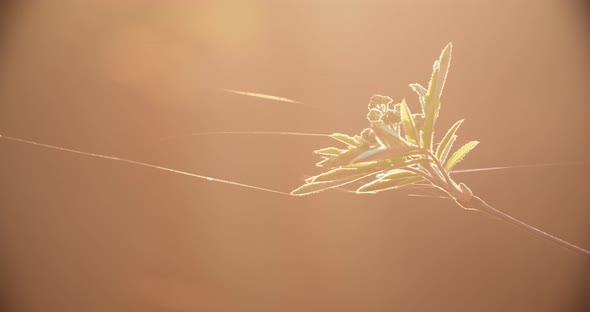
[{"x": 381, "y": 110}]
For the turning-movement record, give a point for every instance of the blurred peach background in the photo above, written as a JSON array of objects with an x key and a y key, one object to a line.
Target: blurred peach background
[{"x": 114, "y": 77}]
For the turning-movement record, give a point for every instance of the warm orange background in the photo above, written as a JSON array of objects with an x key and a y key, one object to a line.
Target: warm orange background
[{"x": 113, "y": 77}]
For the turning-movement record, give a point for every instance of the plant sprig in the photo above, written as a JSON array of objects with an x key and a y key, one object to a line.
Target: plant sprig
[{"x": 397, "y": 150}]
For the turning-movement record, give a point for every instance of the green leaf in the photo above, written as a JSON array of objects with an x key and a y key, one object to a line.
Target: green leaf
[
  {"x": 339, "y": 176},
  {"x": 380, "y": 164},
  {"x": 390, "y": 163},
  {"x": 344, "y": 158},
  {"x": 444, "y": 143},
  {"x": 388, "y": 136},
  {"x": 373, "y": 154},
  {"x": 316, "y": 187},
  {"x": 418, "y": 88},
  {"x": 351, "y": 171},
  {"x": 412, "y": 162},
  {"x": 395, "y": 178},
  {"x": 381, "y": 185},
  {"x": 444, "y": 64},
  {"x": 432, "y": 97},
  {"x": 396, "y": 174},
  {"x": 460, "y": 154},
  {"x": 396, "y": 152},
  {"x": 447, "y": 150},
  {"x": 346, "y": 139},
  {"x": 418, "y": 121},
  {"x": 335, "y": 175},
  {"x": 408, "y": 122},
  {"x": 323, "y": 162},
  {"x": 330, "y": 151}
]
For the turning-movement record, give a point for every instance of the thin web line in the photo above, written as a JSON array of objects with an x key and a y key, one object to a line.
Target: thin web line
[
  {"x": 246, "y": 132},
  {"x": 142, "y": 164},
  {"x": 138, "y": 163},
  {"x": 571, "y": 163},
  {"x": 264, "y": 96}
]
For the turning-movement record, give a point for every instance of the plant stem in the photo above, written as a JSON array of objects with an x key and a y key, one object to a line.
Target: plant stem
[
  {"x": 465, "y": 199},
  {"x": 442, "y": 170},
  {"x": 427, "y": 177},
  {"x": 477, "y": 203}
]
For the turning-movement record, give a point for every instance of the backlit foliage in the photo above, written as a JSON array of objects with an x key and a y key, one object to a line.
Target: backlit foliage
[{"x": 397, "y": 149}]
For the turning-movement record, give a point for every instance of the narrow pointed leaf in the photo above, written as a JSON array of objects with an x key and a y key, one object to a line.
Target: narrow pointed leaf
[
  {"x": 373, "y": 154},
  {"x": 444, "y": 143},
  {"x": 396, "y": 174},
  {"x": 346, "y": 139},
  {"x": 460, "y": 154},
  {"x": 412, "y": 162},
  {"x": 381, "y": 185},
  {"x": 330, "y": 151},
  {"x": 323, "y": 162},
  {"x": 432, "y": 97},
  {"x": 388, "y": 136},
  {"x": 390, "y": 163},
  {"x": 447, "y": 150},
  {"x": 351, "y": 171},
  {"x": 335, "y": 175},
  {"x": 382, "y": 164},
  {"x": 395, "y": 178},
  {"x": 408, "y": 123},
  {"x": 430, "y": 114},
  {"x": 316, "y": 187},
  {"x": 444, "y": 64},
  {"x": 397, "y": 152},
  {"x": 367, "y": 169},
  {"x": 418, "y": 88},
  {"x": 382, "y": 152},
  {"x": 346, "y": 157}
]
